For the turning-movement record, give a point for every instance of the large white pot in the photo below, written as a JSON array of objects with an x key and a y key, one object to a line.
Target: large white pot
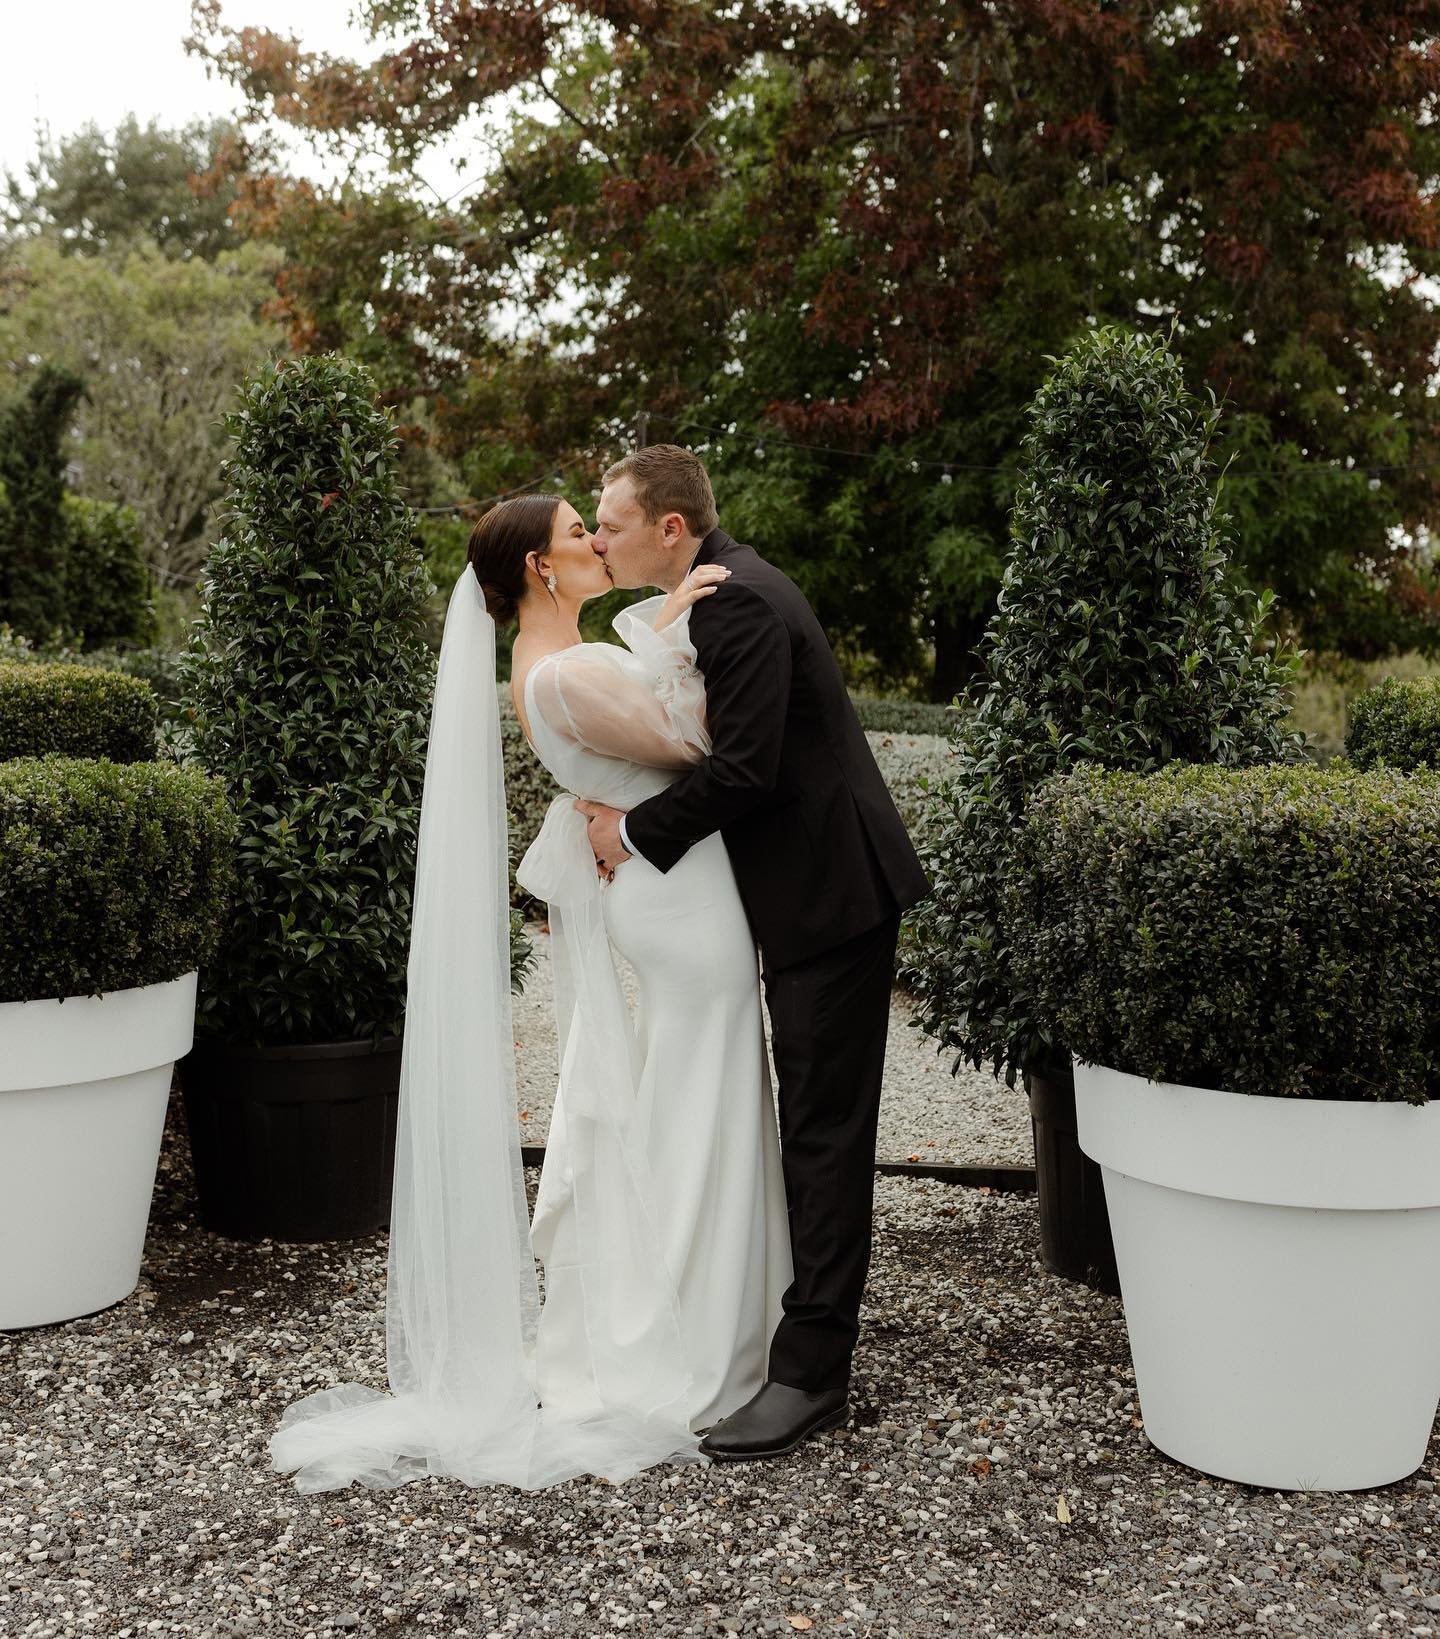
[
  {"x": 1277, "y": 1261},
  {"x": 83, "y": 1087}
]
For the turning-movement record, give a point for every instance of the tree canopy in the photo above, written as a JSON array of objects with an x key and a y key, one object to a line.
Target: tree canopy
[{"x": 830, "y": 246}]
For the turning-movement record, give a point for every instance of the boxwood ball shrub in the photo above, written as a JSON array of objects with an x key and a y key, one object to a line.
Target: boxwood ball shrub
[
  {"x": 1396, "y": 724},
  {"x": 76, "y": 711},
  {"x": 307, "y": 686},
  {"x": 112, "y": 875},
  {"x": 1273, "y": 931},
  {"x": 1117, "y": 637}
]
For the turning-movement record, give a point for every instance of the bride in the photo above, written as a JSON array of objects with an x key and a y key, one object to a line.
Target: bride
[{"x": 660, "y": 1216}]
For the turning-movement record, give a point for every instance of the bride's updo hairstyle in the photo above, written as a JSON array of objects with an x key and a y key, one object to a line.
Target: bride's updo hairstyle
[{"x": 499, "y": 545}]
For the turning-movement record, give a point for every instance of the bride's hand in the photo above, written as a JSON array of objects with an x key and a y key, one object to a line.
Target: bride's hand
[{"x": 699, "y": 583}]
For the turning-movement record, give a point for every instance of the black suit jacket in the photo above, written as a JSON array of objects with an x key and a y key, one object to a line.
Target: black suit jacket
[{"x": 819, "y": 851}]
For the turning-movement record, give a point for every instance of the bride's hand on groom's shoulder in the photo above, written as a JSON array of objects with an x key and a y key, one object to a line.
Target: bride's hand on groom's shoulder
[{"x": 699, "y": 583}]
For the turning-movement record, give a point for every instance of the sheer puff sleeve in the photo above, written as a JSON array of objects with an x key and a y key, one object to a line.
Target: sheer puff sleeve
[{"x": 653, "y": 712}]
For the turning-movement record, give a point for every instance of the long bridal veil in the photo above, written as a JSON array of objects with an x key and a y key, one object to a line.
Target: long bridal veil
[{"x": 462, "y": 1302}]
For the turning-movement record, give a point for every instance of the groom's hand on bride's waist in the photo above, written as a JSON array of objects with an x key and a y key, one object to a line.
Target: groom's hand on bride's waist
[{"x": 606, "y": 843}]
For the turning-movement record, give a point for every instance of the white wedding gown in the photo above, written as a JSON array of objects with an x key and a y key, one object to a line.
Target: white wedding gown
[
  {"x": 666, "y": 1247},
  {"x": 660, "y": 1217}
]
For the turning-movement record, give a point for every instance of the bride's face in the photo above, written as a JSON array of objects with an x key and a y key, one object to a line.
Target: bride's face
[{"x": 571, "y": 557}]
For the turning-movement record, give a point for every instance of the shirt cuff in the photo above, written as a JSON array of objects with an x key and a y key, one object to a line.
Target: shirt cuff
[{"x": 630, "y": 847}]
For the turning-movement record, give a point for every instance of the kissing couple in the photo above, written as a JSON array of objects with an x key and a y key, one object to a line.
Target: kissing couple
[{"x": 724, "y": 816}]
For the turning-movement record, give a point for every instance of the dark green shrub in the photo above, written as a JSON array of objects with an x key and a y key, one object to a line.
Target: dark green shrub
[
  {"x": 32, "y": 470},
  {"x": 1117, "y": 638},
  {"x": 107, "y": 580},
  {"x": 306, "y": 687},
  {"x": 157, "y": 667},
  {"x": 1396, "y": 724},
  {"x": 112, "y": 875},
  {"x": 879, "y": 716},
  {"x": 1273, "y": 931},
  {"x": 77, "y": 711}
]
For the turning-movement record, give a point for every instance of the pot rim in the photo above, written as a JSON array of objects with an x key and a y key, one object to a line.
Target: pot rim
[
  {"x": 1335, "y": 1154},
  {"x": 218, "y": 1046}
]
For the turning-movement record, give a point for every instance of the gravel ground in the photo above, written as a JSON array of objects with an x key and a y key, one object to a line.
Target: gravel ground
[
  {"x": 926, "y": 1114},
  {"x": 995, "y": 1477}
]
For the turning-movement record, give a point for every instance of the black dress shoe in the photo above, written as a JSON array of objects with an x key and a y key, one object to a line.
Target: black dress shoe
[{"x": 773, "y": 1421}]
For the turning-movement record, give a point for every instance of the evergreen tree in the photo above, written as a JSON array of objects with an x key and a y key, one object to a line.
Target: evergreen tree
[{"x": 32, "y": 473}]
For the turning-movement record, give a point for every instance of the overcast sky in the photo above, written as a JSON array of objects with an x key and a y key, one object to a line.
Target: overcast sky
[{"x": 71, "y": 62}]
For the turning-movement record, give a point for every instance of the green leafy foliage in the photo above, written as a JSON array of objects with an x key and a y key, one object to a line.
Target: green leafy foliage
[
  {"x": 859, "y": 229},
  {"x": 112, "y": 875},
  {"x": 107, "y": 583},
  {"x": 162, "y": 340},
  {"x": 1273, "y": 931},
  {"x": 1118, "y": 638},
  {"x": 75, "y": 711},
  {"x": 1397, "y": 724},
  {"x": 885, "y": 715},
  {"x": 307, "y": 685},
  {"x": 93, "y": 191},
  {"x": 155, "y": 666}
]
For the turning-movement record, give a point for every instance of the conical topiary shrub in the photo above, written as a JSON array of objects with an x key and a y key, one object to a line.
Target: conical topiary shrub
[
  {"x": 1119, "y": 639},
  {"x": 307, "y": 686}
]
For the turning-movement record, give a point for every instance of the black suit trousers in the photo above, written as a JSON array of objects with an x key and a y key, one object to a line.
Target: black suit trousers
[{"x": 828, "y": 1022}]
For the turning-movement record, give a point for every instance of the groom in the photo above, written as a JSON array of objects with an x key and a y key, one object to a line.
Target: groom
[{"x": 824, "y": 867}]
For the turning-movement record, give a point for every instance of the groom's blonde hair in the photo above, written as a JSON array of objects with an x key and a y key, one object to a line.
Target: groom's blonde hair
[{"x": 669, "y": 479}]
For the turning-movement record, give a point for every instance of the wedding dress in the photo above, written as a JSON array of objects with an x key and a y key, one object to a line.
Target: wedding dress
[{"x": 660, "y": 1216}]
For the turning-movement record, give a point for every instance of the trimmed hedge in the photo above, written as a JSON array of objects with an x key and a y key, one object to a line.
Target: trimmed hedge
[
  {"x": 112, "y": 875},
  {"x": 76, "y": 711},
  {"x": 883, "y": 716},
  {"x": 156, "y": 666},
  {"x": 1271, "y": 930},
  {"x": 107, "y": 580},
  {"x": 1396, "y": 724}
]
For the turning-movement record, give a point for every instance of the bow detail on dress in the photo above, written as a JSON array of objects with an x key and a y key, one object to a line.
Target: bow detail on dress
[{"x": 559, "y": 866}]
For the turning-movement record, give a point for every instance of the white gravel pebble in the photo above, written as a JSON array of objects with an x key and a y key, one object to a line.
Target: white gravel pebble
[
  {"x": 926, "y": 1114},
  {"x": 136, "y": 1496}
]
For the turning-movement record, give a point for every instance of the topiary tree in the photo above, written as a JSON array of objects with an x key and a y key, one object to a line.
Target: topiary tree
[
  {"x": 307, "y": 685},
  {"x": 1118, "y": 638},
  {"x": 32, "y": 473}
]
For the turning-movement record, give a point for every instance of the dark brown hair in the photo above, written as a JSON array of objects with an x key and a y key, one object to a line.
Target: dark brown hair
[
  {"x": 500, "y": 543},
  {"x": 669, "y": 479}
]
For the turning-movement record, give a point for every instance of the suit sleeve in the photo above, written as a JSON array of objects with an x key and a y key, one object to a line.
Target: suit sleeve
[{"x": 743, "y": 648}]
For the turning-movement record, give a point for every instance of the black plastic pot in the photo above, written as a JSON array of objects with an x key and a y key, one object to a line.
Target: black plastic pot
[
  {"x": 294, "y": 1143},
  {"x": 1075, "y": 1239}
]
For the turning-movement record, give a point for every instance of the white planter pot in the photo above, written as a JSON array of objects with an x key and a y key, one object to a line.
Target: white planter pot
[
  {"x": 1277, "y": 1260},
  {"x": 83, "y": 1087}
]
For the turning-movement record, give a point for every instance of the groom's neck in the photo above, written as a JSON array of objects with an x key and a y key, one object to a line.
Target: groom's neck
[{"x": 680, "y": 565}]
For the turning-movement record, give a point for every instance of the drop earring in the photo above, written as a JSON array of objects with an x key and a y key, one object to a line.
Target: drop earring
[{"x": 550, "y": 582}]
